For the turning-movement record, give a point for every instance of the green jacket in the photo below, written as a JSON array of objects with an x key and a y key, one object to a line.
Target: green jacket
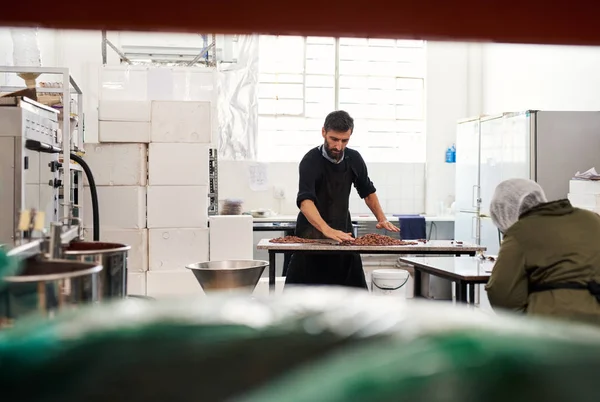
[{"x": 552, "y": 243}]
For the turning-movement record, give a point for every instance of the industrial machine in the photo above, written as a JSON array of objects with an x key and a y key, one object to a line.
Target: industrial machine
[
  {"x": 29, "y": 176},
  {"x": 41, "y": 185},
  {"x": 41, "y": 133}
]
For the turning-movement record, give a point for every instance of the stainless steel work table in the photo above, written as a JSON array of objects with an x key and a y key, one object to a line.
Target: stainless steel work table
[
  {"x": 465, "y": 272},
  {"x": 432, "y": 247}
]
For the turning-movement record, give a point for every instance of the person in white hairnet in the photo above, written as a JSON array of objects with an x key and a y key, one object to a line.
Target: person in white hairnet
[{"x": 549, "y": 259}]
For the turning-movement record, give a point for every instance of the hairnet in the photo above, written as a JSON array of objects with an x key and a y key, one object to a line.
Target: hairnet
[{"x": 512, "y": 198}]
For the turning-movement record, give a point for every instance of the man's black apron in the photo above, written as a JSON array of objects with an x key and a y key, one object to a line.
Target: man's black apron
[{"x": 333, "y": 197}]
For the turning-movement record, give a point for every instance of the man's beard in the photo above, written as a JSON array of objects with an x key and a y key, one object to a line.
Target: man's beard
[{"x": 330, "y": 152}]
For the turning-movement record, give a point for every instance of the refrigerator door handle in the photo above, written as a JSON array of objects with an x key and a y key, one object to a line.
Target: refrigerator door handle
[{"x": 474, "y": 198}]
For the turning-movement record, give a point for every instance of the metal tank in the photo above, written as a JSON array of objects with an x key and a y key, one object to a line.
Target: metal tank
[
  {"x": 48, "y": 286},
  {"x": 112, "y": 257}
]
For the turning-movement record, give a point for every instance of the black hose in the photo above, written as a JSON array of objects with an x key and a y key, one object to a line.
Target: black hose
[{"x": 93, "y": 193}]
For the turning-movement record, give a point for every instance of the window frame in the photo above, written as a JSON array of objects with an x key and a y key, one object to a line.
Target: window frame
[{"x": 337, "y": 76}]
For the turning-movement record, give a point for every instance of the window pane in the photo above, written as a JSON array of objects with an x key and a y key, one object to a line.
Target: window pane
[
  {"x": 409, "y": 54},
  {"x": 280, "y": 91},
  {"x": 386, "y": 83},
  {"x": 324, "y": 52},
  {"x": 381, "y": 97},
  {"x": 409, "y": 112},
  {"x": 354, "y": 41},
  {"x": 382, "y": 42},
  {"x": 281, "y": 106},
  {"x": 410, "y": 43},
  {"x": 381, "y": 54},
  {"x": 410, "y": 126},
  {"x": 409, "y": 83},
  {"x": 320, "y": 66},
  {"x": 350, "y": 53},
  {"x": 318, "y": 110},
  {"x": 348, "y": 67},
  {"x": 352, "y": 81},
  {"x": 320, "y": 39},
  {"x": 281, "y": 54},
  {"x": 283, "y": 78},
  {"x": 382, "y": 68},
  {"x": 383, "y": 126},
  {"x": 319, "y": 95},
  {"x": 320, "y": 81},
  {"x": 353, "y": 95},
  {"x": 381, "y": 111}
]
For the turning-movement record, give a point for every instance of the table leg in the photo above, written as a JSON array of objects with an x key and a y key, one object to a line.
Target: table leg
[
  {"x": 286, "y": 262},
  {"x": 287, "y": 256},
  {"x": 472, "y": 293},
  {"x": 461, "y": 292},
  {"x": 417, "y": 283},
  {"x": 272, "y": 264}
]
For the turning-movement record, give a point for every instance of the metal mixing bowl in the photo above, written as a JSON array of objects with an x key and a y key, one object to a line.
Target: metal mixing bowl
[{"x": 228, "y": 274}]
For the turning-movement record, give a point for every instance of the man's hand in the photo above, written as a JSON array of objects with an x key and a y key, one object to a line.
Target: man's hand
[
  {"x": 387, "y": 225},
  {"x": 337, "y": 235}
]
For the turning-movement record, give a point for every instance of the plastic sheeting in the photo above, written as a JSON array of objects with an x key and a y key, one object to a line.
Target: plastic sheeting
[
  {"x": 237, "y": 87},
  {"x": 26, "y": 48}
]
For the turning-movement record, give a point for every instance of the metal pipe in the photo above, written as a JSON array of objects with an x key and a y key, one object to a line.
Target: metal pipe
[
  {"x": 104, "y": 48},
  {"x": 55, "y": 240},
  {"x": 66, "y": 139},
  {"x": 201, "y": 54}
]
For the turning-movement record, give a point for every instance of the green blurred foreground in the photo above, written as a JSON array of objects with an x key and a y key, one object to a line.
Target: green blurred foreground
[{"x": 313, "y": 344}]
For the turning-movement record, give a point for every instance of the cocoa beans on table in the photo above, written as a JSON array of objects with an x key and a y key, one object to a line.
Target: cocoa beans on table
[
  {"x": 291, "y": 239},
  {"x": 370, "y": 239}
]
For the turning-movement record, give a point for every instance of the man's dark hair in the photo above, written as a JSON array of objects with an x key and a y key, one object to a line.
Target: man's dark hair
[{"x": 339, "y": 121}]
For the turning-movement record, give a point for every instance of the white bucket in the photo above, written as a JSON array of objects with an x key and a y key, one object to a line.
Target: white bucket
[{"x": 394, "y": 282}]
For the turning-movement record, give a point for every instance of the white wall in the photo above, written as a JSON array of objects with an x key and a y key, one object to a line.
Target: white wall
[
  {"x": 402, "y": 187},
  {"x": 519, "y": 77},
  {"x": 453, "y": 92}
]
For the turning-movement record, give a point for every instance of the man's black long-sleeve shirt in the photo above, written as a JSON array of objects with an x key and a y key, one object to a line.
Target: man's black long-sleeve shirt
[{"x": 311, "y": 172}]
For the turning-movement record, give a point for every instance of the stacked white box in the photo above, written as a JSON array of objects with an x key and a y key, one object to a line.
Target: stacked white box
[
  {"x": 124, "y": 121},
  {"x": 123, "y": 131},
  {"x": 178, "y": 195},
  {"x": 136, "y": 283},
  {"x": 585, "y": 194},
  {"x": 173, "y": 249},
  {"x": 188, "y": 122},
  {"x": 172, "y": 171},
  {"x": 118, "y": 164},
  {"x": 133, "y": 111},
  {"x": 120, "y": 167},
  {"x": 177, "y": 207},
  {"x": 178, "y": 164},
  {"x": 120, "y": 207},
  {"x": 167, "y": 284},
  {"x": 584, "y": 187}
]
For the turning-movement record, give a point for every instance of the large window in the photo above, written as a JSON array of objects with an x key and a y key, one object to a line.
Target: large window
[{"x": 380, "y": 82}]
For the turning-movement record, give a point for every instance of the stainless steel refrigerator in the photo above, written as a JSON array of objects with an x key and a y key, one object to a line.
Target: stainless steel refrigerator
[{"x": 546, "y": 146}]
